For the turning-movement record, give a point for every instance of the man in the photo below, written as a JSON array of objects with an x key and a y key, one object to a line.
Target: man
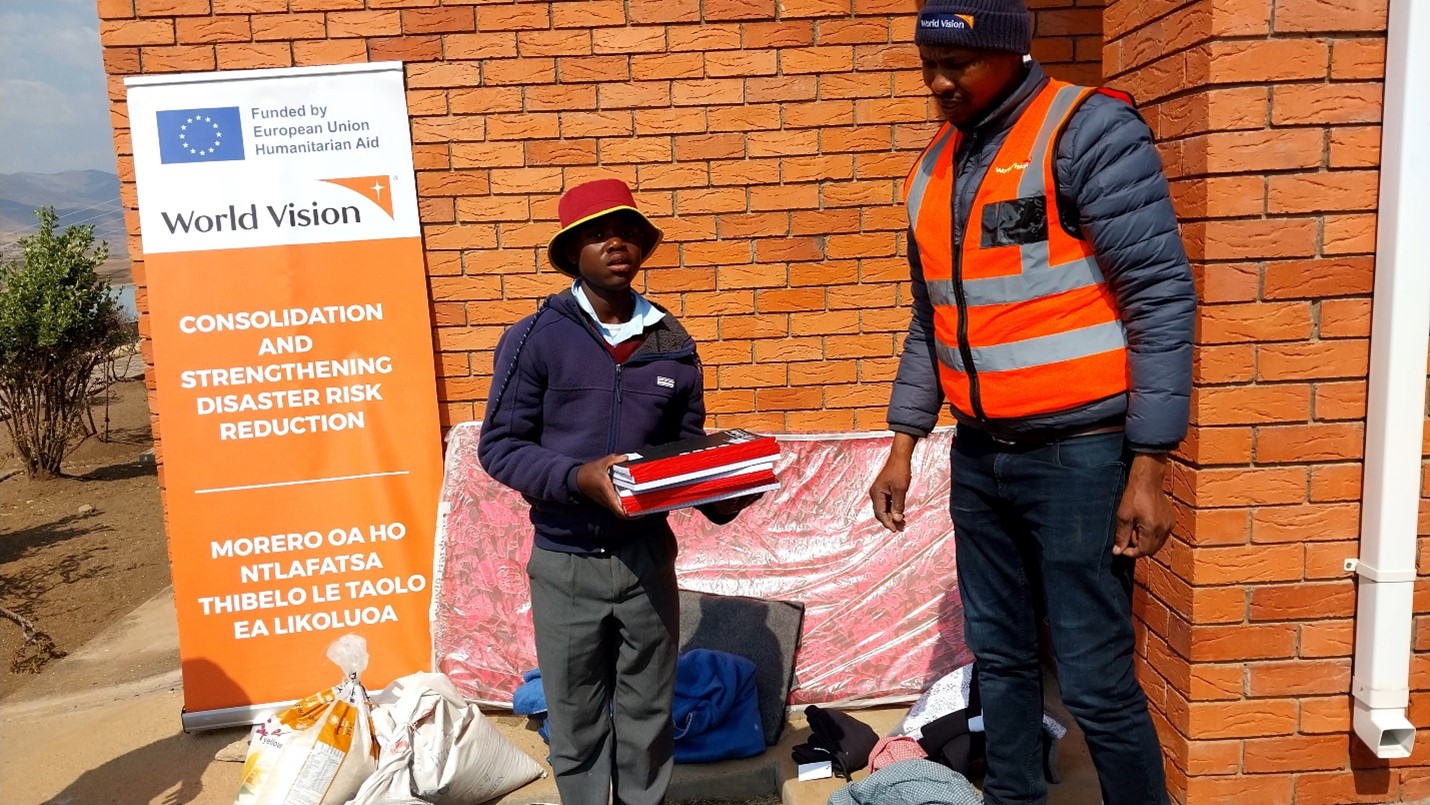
[{"x": 1053, "y": 310}]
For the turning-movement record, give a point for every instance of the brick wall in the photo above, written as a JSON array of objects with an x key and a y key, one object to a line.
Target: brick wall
[
  {"x": 768, "y": 138},
  {"x": 1267, "y": 115}
]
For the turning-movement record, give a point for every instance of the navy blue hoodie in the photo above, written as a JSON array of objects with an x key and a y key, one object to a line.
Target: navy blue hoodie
[{"x": 560, "y": 400}]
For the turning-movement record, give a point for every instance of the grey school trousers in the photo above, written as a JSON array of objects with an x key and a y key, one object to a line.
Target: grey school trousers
[{"x": 607, "y": 629}]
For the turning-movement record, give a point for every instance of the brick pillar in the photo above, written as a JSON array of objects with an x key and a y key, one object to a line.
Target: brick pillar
[{"x": 1267, "y": 116}]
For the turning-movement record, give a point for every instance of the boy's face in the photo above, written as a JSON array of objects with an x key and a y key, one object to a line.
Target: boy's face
[{"x": 608, "y": 250}]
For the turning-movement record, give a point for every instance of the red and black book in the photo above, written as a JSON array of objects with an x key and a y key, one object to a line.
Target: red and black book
[
  {"x": 690, "y": 460},
  {"x": 698, "y": 493}
]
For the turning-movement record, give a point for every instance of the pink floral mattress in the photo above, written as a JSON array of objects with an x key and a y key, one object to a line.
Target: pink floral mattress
[{"x": 882, "y": 613}]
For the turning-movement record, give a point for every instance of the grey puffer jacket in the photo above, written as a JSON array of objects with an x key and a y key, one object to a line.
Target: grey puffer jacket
[{"x": 1110, "y": 181}]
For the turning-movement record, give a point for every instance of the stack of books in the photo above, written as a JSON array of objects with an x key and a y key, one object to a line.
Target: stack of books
[{"x": 692, "y": 472}]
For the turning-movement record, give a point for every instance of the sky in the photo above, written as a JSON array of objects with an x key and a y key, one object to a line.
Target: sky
[{"x": 54, "y": 109}]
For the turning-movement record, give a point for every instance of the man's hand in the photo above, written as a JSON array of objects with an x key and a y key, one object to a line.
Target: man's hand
[
  {"x": 1144, "y": 517},
  {"x": 594, "y": 481},
  {"x": 892, "y": 484}
]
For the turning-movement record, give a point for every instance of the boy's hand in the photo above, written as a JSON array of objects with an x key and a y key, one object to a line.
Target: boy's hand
[
  {"x": 730, "y": 507},
  {"x": 594, "y": 480}
]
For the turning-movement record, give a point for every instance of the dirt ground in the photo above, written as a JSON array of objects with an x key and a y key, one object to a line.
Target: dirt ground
[{"x": 69, "y": 569}]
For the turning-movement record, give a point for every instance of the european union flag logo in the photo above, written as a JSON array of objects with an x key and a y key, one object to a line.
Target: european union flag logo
[{"x": 200, "y": 135}]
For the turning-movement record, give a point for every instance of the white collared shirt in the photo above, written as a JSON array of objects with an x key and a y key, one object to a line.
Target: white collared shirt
[{"x": 644, "y": 315}]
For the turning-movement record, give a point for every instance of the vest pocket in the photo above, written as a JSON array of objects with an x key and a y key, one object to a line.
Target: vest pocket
[{"x": 1015, "y": 222}]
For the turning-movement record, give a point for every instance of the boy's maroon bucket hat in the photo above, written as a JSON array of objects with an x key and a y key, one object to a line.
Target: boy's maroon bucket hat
[{"x": 591, "y": 200}]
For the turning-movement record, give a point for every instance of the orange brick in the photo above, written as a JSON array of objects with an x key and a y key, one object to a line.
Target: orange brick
[
  {"x": 1296, "y": 753},
  {"x": 1337, "y": 103},
  {"x": 1297, "y": 678},
  {"x": 661, "y": 11},
  {"x": 1211, "y": 682},
  {"x": 1304, "y": 279},
  {"x": 1302, "y": 443},
  {"x": 635, "y": 39},
  {"x": 1328, "y": 638},
  {"x": 1252, "y": 405},
  {"x": 1335, "y": 482},
  {"x": 1303, "y": 601},
  {"x": 251, "y": 56},
  {"x": 448, "y": 19},
  {"x": 816, "y": 60},
  {"x": 1259, "y": 151},
  {"x": 1316, "y": 522},
  {"x": 1237, "y": 239},
  {"x": 1343, "y": 788},
  {"x": 1224, "y": 363},
  {"x": 561, "y": 152},
  {"x": 410, "y": 49},
  {"x": 1241, "y": 565},
  {"x": 590, "y": 13},
  {"x": 179, "y": 58},
  {"x": 364, "y": 23},
  {"x": 116, "y": 9},
  {"x": 740, "y": 63},
  {"x": 716, "y": 10},
  {"x": 287, "y": 26},
  {"x": 1314, "y": 16},
  {"x": 116, "y": 33},
  {"x": 1255, "y": 321},
  {"x": 171, "y": 8},
  {"x": 1359, "y": 59},
  {"x": 1213, "y": 757},
  {"x": 329, "y": 51},
  {"x": 1267, "y": 60},
  {"x": 1344, "y": 318},
  {"x": 514, "y": 17},
  {"x": 1263, "y": 789},
  {"x": 121, "y": 61},
  {"x": 1321, "y": 192},
  {"x": 1244, "y": 719},
  {"x": 1349, "y": 234},
  {"x": 202, "y": 30},
  {"x": 641, "y": 93},
  {"x": 1217, "y": 643},
  {"x": 1355, "y": 147}
]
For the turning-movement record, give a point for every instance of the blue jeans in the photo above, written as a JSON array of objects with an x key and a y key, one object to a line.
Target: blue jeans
[{"x": 1034, "y": 528}]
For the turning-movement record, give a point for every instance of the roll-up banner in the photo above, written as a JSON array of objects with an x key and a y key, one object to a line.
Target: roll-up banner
[{"x": 296, "y": 393}]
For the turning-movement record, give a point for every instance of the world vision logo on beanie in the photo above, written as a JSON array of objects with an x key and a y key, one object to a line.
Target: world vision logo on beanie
[
  {"x": 975, "y": 24},
  {"x": 960, "y": 21}
]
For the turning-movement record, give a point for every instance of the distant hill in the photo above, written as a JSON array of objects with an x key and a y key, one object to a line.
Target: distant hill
[{"x": 79, "y": 197}]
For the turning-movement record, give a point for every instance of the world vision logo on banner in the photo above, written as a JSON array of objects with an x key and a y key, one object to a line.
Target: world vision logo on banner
[
  {"x": 373, "y": 188},
  {"x": 200, "y": 135},
  {"x": 252, "y": 217},
  {"x": 957, "y": 22}
]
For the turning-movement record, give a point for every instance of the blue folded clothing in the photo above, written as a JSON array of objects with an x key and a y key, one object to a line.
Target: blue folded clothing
[
  {"x": 716, "y": 712},
  {"x": 530, "y": 700},
  {"x": 717, "y": 709}
]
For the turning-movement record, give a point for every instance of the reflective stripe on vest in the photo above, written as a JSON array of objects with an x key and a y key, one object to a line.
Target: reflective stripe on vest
[{"x": 1037, "y": 320}]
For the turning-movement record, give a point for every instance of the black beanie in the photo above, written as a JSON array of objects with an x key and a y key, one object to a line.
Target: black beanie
[{"x": 976, "y": 24}]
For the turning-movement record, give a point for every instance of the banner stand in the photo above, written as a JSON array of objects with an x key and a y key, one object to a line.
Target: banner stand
[{"x": 293, "y": 362}]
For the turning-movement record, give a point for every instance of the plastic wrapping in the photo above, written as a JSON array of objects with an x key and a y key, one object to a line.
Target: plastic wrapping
[{"x": 882, "y": 613}]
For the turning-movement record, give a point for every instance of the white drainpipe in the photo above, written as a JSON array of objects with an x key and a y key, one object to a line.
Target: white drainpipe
[{"x": 1395, "y": 414}]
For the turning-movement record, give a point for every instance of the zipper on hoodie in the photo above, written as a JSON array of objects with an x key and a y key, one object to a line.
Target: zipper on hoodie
[
  {"x": 615, "y": 411},
  {"x": 975, "y": 394}
]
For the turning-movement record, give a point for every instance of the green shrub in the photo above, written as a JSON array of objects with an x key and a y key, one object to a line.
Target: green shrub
[{"x": 59, "y": 322}]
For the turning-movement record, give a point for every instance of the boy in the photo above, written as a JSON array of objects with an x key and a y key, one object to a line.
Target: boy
[{"x": 597, "y": 372}]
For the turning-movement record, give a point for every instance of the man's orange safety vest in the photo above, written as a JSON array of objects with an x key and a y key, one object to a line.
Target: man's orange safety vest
[{"x": 1024, "y": 323}]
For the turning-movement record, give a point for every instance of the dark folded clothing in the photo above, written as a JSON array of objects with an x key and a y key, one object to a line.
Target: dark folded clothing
[
  {"x": 948, "y": 740},
  {"x": 838, "y": 737}
]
